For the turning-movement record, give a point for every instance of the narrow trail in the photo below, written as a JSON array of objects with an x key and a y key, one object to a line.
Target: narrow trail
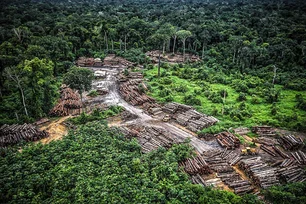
[{"x": 114, "y": 98}]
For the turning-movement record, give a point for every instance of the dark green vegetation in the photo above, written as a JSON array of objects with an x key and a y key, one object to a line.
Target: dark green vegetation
[
  {"x": 290, "y": 193},
  {"x": 235, "y": 99},
  {"x": 252, "y": 38},
  {"x": 97, "y": 164}
]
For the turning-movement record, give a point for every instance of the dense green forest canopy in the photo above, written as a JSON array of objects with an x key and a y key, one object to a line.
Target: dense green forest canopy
[{"x": 248, "y": 37}]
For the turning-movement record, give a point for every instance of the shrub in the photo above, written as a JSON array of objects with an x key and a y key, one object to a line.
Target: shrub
[
  {"x": 181, "y": 89},
  {"x": 165, "y": 92},
  {"x": 192, "y": 100},
  {"x": 93, "y": 93},
  {"x": 240, "y": 86},
  {"x": 166, "y": 81},
  {"x": 215, "y": 97},
  {"x": 242, "y": 97}
]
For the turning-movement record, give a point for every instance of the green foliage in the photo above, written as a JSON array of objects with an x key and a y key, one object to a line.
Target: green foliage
[
  {"x": 93, "y": 93},
  {"x": 242, "y": 97},
  {"x": 192, "y": 100},
  {"x": 96, "y": 115},
  {"x": 79, "y": 79},
  {"x": 289, "y": 193},
  {"x": 97, "y": 164}
]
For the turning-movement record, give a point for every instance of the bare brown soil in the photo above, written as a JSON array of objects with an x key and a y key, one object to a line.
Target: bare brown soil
[{"x": 56, "y": 129}]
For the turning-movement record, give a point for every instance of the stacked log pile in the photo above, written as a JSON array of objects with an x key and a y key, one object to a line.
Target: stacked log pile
[
  {"x": 280, "y": 152},
  {"x": 222, "y": 162},
  {"x": 228, "y": 140},
  {"x": 299, "y": 156},
  {"x": 113, "y": 61},
  {"x": 234, "y": 181},
  {"x": 268, "y": 150},
  {"x": 195, "y": 165},
  {"x": 264, "y": 131},
  {"x": 131, "y": 93},
  {"x": 13, "y": 134},
  {"x": 150, "y": 137},
  {"x": 155, "y": 110},
  {"x": 291, "y": 142},
  {"x": 266, "y": 141},
  {"x": 127, "y": 116},
  {"x": 173, "y": 108},
  {"x": 292, "y": 174},
  {"x": 188, "y": 117},
  {"x": 169, "y": 57},
  {"x": 69, "y": 100},
  {"x": 242, "y": 130},
  {"x": 288, "y": 162},
  {"x": 259, "y": 172},
  {"x": 197, "y": 179}
]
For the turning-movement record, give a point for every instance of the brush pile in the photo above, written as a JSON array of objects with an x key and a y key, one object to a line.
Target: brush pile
[
  {"x": 13, "y": 134},
  {"x": 68, "y": 102},
  {"x": 228, "y": 140}
]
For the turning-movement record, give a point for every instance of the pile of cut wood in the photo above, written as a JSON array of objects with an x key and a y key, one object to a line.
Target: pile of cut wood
[
  {"x": 228, "y": 140},
  {"x": 131, "y": 93},
  {"x": 175, "y": 108},
  {"x": 127, "y": 116},
  {"x": 222, "y": 162},
  {"x": 266, "y": 141},
  {"x": 113, "y": 61},
  {"x": 69, "y": 100},
  {"x": 264, "y": 131},
  {"x": 188, "y": 117},
  {"x": 268, "y": 150},
  {"x": 197, "y": 179},
  {"x": 299, "y": 156},
  {"x": 242, "y": 130},
  {"x": 195, "y": 165},
  {"x": 292, "y": 174},
  {"x": 260, "y": 173},
  {"x": 290, "y": 142},
  {"x": 13, "y": 134},
  {"x": 169, "y": 57},
  {"x": 150, "y": 137},
  {"x": 234, "y": 181}
]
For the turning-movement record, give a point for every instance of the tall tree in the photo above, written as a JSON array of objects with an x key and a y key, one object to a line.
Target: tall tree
[
  {"x": 183, "y": 35},
  {"x": 38, "y": 74},
  {"x": 79, "y": 79}
]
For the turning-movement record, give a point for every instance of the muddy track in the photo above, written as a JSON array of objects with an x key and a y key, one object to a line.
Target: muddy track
[{"x": 114, "y": 98}]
